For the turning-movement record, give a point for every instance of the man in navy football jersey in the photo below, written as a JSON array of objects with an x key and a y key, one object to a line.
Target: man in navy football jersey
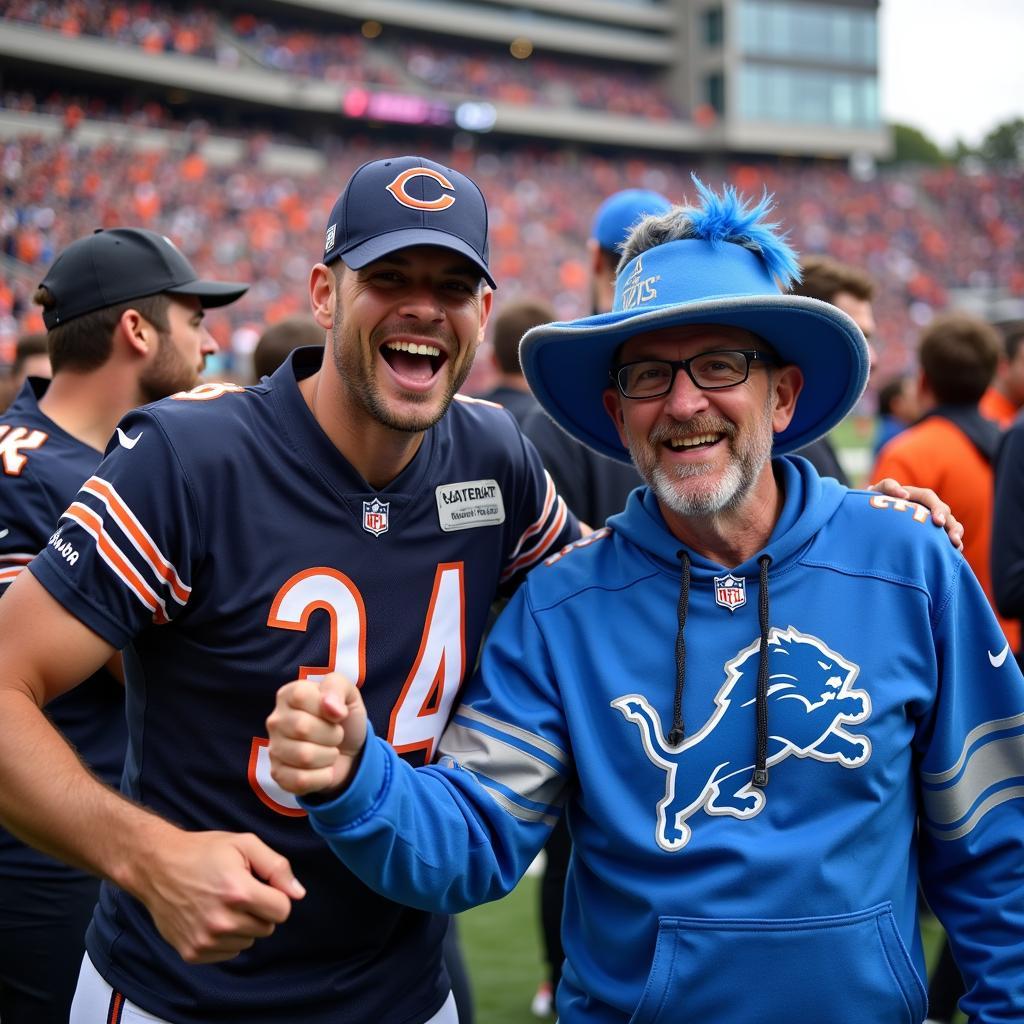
[
  {"x": 349, "y": 513},
  {"x": 134, "y": 334}
]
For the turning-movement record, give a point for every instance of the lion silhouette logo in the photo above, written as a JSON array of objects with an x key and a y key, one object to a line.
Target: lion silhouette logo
[{"x": 811, "y": 700}]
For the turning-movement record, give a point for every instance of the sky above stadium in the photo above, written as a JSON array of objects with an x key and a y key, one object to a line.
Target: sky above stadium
[{"x": 952, "y": 68}]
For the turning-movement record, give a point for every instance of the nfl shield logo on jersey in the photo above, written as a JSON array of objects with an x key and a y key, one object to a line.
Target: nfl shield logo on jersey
[
  {"x": 730, "y": 591},
  {"x": 375, "y": 516}
]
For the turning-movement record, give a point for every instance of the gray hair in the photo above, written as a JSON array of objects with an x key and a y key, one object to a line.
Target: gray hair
[{"x": 673, "y": 226}]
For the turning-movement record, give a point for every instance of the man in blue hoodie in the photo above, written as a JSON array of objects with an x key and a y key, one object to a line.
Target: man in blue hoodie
[{"x": 770, "y": 706}]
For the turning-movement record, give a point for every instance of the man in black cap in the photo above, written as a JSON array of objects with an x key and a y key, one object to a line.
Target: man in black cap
[
  {"x": 348, "y": 512},
  {"x": 124, "y": 312}
]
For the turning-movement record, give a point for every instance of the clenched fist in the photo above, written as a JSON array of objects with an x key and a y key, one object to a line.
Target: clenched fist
[{"x": 317, "y": 732}]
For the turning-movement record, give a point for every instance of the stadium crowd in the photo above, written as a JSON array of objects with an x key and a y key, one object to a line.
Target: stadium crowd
[
  {"x": 152, "y": 27},
  {"x": 244, "y": 223},
  {"x": 390, "y": 59}
]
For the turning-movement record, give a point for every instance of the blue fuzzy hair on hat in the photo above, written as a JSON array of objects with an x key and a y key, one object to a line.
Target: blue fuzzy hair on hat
[{"x": 727, "y": 217}]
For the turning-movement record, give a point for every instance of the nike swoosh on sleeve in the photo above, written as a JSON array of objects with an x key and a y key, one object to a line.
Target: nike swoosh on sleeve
[
  {"x": 998, "y": 659},
  {"x": 127, "y": 442}
]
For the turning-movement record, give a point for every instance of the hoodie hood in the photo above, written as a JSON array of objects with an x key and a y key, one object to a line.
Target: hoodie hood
[{"x": 809, "y": 502}]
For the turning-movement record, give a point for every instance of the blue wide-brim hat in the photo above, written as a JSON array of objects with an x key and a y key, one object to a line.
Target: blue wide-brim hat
[{"x": 695, "y": 281}]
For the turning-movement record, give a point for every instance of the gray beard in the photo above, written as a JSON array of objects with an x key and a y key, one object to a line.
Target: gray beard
[{"x": 731, "y": 489}]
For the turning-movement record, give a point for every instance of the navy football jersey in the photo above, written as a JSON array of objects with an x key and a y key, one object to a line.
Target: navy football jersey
[
  {"x": 41, "y": 470},
  {"x": 232, "y": 548}
]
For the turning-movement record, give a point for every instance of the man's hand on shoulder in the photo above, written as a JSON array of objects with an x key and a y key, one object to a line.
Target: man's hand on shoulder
[
  {"x": 942, "y": 514},
  {"x": 317, "y": 732}
]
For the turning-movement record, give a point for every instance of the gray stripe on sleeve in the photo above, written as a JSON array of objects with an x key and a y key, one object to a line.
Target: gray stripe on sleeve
[
  {"x": 972, "y": 737},
  {"x": 520, "y": 812},
  {"x": 513, "y": 730},
  {"x": 995, "y": 762},
  {"x": 516, "y": 769},
  {"x": 1013, "y": 793}
]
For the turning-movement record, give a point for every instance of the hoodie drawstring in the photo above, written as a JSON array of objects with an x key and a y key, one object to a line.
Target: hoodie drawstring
[
  {"x": 677, "y": 732},
  {"x": 761, "y": 765}
]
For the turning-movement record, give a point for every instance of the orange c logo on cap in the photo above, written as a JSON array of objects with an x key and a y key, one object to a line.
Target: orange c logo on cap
[{"x": 397, "y": 189}]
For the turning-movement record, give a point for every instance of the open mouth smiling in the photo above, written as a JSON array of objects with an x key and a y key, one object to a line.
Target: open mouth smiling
[
  {"x": 417, "y": 361},
  {"x": 693, "y": 442}
]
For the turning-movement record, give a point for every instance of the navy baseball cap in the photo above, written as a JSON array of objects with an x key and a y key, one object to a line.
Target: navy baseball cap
[
  {"x": 404, "y": 201},
  {"x": 619, "y": 214},
  {"x": 113, "y": 266}
]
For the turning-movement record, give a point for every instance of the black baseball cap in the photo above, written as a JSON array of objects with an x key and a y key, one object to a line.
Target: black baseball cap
[
  {"x": 116, "y": 265},
  {"x": 404, "y": 201}
]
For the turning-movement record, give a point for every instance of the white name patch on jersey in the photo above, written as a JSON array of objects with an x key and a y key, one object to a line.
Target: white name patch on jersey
[{"x": 470, "y": 503}]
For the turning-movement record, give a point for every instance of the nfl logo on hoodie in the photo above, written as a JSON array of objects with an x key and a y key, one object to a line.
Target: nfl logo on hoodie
[{"x": 730, "y": 591}]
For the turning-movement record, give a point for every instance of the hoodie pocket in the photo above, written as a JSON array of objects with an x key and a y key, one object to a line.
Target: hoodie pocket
[{"x": 845, "y": 969}]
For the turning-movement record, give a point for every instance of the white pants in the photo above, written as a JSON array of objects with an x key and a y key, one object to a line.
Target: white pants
[{"x": 97, "y": 1003}]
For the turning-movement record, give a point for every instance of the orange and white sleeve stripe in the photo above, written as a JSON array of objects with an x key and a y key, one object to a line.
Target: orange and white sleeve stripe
[
  {"x": 12, "y": 564},
  {"x": 130, "y": 526},
  {"x": 545, "y": 528},
  {"x": 164, "y": 584}
]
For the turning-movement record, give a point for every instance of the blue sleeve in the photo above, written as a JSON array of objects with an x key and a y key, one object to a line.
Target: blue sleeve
[
  {"x": 1007, "y": 535},
  {"x": 972, "y": 790},
  {"x": 463, "y": 831}
]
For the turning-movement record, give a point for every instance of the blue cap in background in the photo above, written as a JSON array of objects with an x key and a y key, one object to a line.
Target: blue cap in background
[{"x": 620, "y": 212}]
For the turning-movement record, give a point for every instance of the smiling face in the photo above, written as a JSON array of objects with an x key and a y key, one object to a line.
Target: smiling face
[
  {"x": 406, "y": 330},
  {"x": 702, "y": 452}
]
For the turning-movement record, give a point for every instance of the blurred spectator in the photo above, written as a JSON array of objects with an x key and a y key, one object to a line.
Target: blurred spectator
[
  {"x": 31, "y": 359},
  {"x": 123, "y": 310},
  {"x": 1005, "y": 396},
  {"x": 613, "y": 221},
  {"x": 851, "y": 290},
  {"x": 897, "y": 409},
  {"x": 952, "y": 449},
  {"x": 508, "y": 328},
  {"x": 1008, "y": 529},
  {"x": 593, "y": 486},
  {"x": 278, "y": 341}
]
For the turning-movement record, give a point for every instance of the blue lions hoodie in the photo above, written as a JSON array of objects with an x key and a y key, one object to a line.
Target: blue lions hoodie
[{"x": 759, "y": 765}]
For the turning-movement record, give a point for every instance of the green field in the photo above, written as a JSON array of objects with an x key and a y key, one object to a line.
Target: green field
[{"x": 501, "y": 942}]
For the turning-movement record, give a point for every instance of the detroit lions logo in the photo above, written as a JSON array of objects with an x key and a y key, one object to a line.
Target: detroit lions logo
[
  {"x": 810, "y": 702},
  {"x": 637, "y": 290}
]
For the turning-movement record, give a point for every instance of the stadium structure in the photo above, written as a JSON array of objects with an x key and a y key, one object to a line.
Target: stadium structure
[
  {"x": 232, "y": 127},
  {"x": 733, "y": 75}
]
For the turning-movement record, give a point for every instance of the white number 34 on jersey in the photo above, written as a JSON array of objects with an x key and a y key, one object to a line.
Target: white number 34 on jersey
[{"x": 424, "y": 705}]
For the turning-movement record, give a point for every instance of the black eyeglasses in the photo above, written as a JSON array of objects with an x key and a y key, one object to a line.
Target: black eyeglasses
[{"x": 652, "y": 378}]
